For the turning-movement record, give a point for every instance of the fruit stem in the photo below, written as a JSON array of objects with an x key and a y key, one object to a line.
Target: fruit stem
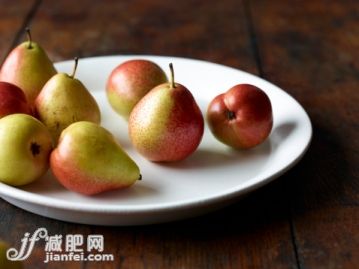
[
  {"x": 172, "y": 81},
  {"x": 140, "y": 177},
  {"x": 75, "y": 67},
  {"x": 28, "y": 33}
]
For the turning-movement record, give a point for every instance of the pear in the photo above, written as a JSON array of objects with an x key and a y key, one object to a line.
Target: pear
[
  {"x": 12, "y": 100},
  {"x": 89, "y": 160},
  {"x": 242, "y": 117},
  {"x": 130, "y": 81},
  {"x": 65, "y": 100},
  {"x": 25, "y": 146},
  {"x": 4, "y": 262},
  {"x": 166, "y": 124},
  {"x": 28, "y": 67}
]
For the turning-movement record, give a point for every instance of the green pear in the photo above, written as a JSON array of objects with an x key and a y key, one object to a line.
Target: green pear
[
  {"x": 25, "y": 146},
  {"x": 28, "y": 67},
  {"x": 89, "y": 160},
  {"x": 65, "y": 100},
  {"x": 166, "y": 124},
  {"x": 4, "y": 262}
]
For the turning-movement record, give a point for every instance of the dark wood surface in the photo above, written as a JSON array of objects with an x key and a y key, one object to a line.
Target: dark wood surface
[{"x": 309, "y": 217}]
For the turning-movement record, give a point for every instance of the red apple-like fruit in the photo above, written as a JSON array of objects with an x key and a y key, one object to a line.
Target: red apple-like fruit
[
  {"x": 241, "y": 117},
  {"x": 130, "y": 81},
  {"x": 12, "y": 100}
]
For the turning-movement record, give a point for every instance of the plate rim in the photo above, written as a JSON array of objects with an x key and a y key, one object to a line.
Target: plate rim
[{"x": 235, "y": 192}]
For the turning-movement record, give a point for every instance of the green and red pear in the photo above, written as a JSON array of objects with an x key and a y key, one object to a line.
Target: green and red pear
[
  {"x": 241, "y": 117},
  {"x": 166, "y": 124},
  {"x": 130, "y": 81},
  {"x": 12, "y": 100},
  {"x": 28, "y": 67},
  {"x": 65, "y": 100},
  {"x": 89, "y": 160},
  {"x": 25, "y": 146}
]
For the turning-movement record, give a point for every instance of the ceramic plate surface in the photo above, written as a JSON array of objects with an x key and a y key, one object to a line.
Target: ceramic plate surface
[{"x": 212, "y": 177}]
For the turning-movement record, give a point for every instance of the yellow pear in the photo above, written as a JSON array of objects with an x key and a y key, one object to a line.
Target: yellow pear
[{"x": 65, "y": 100}]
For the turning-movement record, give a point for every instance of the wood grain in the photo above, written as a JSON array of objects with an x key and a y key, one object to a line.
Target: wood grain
[
  {"x": 306, "y": 219},
  {"x": 13, "y": 19},
  {"x": 251, "y": 234},
  {"x": 310, "y": 49},
  {"x": 90, "y": 28}
]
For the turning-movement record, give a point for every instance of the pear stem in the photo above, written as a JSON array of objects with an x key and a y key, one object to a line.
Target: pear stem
[
  {"x": 28, "y": 33},
  {"x": 75, "y": 67},
  {"x": 172, "y": 81}
]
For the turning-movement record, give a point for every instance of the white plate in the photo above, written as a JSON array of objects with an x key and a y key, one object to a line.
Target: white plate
[{"x": 212, "y": 177}]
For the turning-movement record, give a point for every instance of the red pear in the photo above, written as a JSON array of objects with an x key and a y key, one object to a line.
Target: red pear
[
  {"x": 242, "y": 117},
  {"x": 89, "y": 160},
  {"x": 166, "y": 124},
  {"x": 12, "y": 100},
  {"x": 130, "y": 81},
  {"x": 28, "y": 67}
]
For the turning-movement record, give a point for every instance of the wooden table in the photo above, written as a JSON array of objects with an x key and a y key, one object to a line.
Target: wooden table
[{"x": 308, "y": 218}]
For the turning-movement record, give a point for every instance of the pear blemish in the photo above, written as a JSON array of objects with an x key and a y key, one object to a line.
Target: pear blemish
[
  {"x": 35, "y": 149},
  {"x": 18, "y": 166},
  {"x": 65, "y": 100}
]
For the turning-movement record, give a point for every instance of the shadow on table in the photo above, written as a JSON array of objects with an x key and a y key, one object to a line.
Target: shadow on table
[{"x": 320, "y": 178}]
